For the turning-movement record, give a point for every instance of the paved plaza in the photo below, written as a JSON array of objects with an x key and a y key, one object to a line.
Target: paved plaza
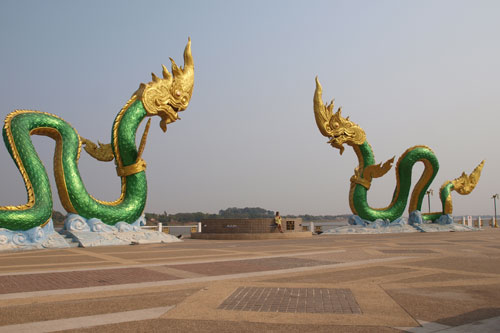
[{"x": 418, "y": 282}]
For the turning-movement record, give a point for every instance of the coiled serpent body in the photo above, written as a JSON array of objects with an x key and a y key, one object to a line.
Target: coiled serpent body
[
  {"x": 342, "y": 131},
  {"x": 161, "y": 97}
]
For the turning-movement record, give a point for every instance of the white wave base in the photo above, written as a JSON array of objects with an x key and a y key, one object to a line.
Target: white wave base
[
  {"x": 34, "y": 238},
  {"x": 94, "y": 232},
  {"x": 414, "y": 223}
]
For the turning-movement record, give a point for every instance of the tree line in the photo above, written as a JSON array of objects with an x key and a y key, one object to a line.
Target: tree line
[{"x": 233, "y": 212}]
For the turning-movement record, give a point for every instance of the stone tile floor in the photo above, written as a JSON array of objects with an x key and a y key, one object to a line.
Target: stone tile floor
[
  {"x": 356, "y": 283},
  {"x": 78, "y": 279},
  {"x": 295, "y": 300}
]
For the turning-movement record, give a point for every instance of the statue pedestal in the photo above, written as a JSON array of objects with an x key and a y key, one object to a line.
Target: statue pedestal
[
  {"x": 89, "y": 238},
  {"x": 263, "y": 228},
  {"x": 33, "y": 239},
  {"x": 93, "y": 232},
  {"x": 51, "y": 241}
]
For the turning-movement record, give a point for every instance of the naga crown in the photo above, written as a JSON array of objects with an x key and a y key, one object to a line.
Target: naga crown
[
  {"x": 340, "y": 130},
  {"x": 166, "y": 96}
]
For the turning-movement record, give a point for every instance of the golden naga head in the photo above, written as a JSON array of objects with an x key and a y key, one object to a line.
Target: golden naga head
[
  {"x": 466, "y": 183},
  {"x": 166, "y": 96},
  {"x": 332, "y": 125}
]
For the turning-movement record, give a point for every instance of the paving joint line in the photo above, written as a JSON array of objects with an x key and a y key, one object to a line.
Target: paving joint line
[
  {"x": 395, "y": 302},
  {"x": 141, "y": 285},
  {"x": 87, "y": 321},
  {"x": 50, "y": 264},
  {"x": 170, "y": 263},
  {"x": 107, "y": 257},
  {"x": 451, "y": 271}
]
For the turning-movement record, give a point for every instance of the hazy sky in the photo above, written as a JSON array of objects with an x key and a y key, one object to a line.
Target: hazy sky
[{"x": 408, "y": 72}]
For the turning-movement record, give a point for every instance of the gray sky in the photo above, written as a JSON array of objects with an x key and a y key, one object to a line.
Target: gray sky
[{"x": 408, "y": 72}]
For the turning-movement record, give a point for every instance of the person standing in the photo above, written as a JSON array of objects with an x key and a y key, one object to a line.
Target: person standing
[{"x": 277, "y": 220}]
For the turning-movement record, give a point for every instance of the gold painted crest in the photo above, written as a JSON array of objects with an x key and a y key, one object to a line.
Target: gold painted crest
[{"x": 340, "y": 130}]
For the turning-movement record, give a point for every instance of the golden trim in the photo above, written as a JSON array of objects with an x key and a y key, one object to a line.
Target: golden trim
[
  {"x": 62, "y": 189},
  {"x": 103, "y": 152},
  {"x": 142, "y": 145},
  {"x": 118, "y": 160},
  {"x": 361, "y": 161},
  {"x": 46, "y": 222},
  {"x": 18, "y": 161},
  {"x": 364, "y": 177},
  {"x": 448, "y": 204},
  {"x": 116, "y": 125},
  {"x": 128, "y": 170},
  {"x": 418, "y": 187},
  {"x": 422, "y": 182},
  {"x": 140, "y": 164},
  {"x": 424, "y": 178},
  {"x": 356, "y": 179}
]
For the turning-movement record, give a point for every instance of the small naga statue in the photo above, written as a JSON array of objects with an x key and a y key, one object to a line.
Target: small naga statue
[
  {"x": 163, "y": 97},
  {"x": 342, "y": 131}
]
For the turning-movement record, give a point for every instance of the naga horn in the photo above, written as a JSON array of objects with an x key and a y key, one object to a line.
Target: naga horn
[
  {"x": 321, "y": 112},
  {"x": 185, "y": 76},
  {"x": 188, "y": 59},
  {"x": 318, "y": 100}
]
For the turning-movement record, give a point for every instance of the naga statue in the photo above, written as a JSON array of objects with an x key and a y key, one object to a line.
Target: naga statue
[
  {"x": 163, "y": 97},
  {"x": 342, "y": 131}
]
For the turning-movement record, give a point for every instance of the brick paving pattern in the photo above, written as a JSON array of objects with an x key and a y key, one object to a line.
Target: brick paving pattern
[
  {"x": 295, "y": 300},
  {"x": 247, "y": 266},
  {"x": 463, "y": 241},
  {"x": 407, "y": 251},
  {"x": 421, "y": 244},
  {"x": 78, "y": 279}
]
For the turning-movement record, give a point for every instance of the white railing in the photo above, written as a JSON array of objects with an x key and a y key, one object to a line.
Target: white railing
[{"x": 168, "y": 229}]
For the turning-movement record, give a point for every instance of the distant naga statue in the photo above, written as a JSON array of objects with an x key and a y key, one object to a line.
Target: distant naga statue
[
  {"x": 342, "y": 131},
  {"x": 163, "y": 97}
]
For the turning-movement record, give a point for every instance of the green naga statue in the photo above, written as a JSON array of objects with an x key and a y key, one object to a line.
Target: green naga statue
[
  {"x": 342, "y": 131},
  {"x": 163, "y": 97}
]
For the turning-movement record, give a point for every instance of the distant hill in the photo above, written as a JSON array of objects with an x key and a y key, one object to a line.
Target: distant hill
[
  {"x": 240, "y": 213},
  {"x": 233, "y": 212}
]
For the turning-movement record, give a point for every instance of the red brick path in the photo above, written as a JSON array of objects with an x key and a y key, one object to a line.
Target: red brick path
[
  {"x": 250, "y": 265},
  {"x": 78, "y": 279}
]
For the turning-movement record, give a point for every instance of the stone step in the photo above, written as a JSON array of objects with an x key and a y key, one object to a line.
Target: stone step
[{"x": 69, "y": 239}]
